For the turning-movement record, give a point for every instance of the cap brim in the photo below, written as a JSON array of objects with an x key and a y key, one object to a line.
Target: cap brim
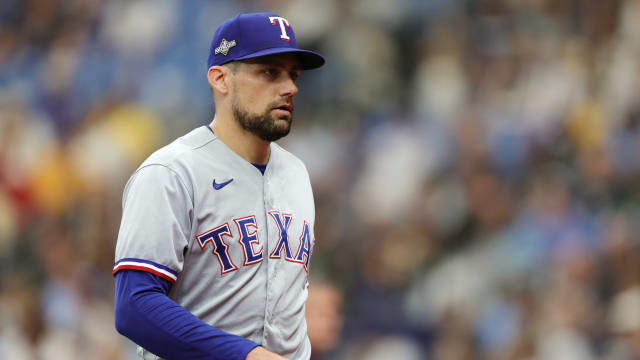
[{"x": 308, "y": 59}]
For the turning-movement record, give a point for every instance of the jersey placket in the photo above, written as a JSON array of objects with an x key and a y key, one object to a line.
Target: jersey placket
[{"x": 268, "y": 330}]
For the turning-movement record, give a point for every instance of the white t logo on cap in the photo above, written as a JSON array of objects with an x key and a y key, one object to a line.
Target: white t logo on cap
[{"x": 282, "y": 22}]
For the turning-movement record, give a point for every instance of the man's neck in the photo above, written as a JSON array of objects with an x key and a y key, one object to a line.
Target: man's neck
[{"x": 247, "y": 145}]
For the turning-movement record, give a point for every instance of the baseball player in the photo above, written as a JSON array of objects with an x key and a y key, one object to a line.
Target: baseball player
[{"x": 213, "y": 251}]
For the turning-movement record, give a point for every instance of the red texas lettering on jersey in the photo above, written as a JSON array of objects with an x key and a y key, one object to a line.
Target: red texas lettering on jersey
[
  {"x": 282, "y": 221},
  {"x": 249, "y": 239},
  {"x": 220, "y": 248},
  {"x": 252, "y": 247}
]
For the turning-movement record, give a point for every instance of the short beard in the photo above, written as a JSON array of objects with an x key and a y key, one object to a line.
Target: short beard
[{"x": 261, "y": 125}]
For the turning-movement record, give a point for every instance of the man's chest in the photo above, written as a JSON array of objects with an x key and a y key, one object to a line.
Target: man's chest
[{"x": 242, "y": 221}]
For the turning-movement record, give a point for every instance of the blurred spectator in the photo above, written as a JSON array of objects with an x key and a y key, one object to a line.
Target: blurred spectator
[{"x": 325, "y": 318}]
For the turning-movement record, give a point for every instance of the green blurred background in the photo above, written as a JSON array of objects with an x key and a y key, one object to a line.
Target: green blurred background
[{"x": 475, "y": 166}]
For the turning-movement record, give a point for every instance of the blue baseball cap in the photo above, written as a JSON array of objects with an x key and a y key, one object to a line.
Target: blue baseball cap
[{"x": 248, "y": 36}]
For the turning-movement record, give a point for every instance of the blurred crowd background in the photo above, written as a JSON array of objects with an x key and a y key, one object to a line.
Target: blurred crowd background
[{"x": 475, "y": 165}]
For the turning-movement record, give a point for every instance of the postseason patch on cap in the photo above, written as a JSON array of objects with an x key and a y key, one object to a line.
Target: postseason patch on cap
[{"x": 225, "y": 46}]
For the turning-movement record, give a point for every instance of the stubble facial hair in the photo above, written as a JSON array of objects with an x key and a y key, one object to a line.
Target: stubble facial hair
[{"x": 262, "y": 125}]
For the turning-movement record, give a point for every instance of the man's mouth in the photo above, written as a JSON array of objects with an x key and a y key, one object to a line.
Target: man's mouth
[{"x": 284, "y": 109}]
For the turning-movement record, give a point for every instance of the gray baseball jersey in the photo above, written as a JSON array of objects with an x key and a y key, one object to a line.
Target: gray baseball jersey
[{"x": 235, "y": 243}]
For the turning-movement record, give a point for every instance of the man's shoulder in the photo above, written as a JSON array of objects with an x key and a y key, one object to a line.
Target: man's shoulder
[
  {"x": 175, "y": 160},
  {"x": 181, "y": 150},
  {"x": 286, "y": 158}
]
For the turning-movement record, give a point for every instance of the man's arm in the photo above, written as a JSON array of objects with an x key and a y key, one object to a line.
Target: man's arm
[
  {"x": 146, "y": 315},
  {"x": 260, "y": 353}
]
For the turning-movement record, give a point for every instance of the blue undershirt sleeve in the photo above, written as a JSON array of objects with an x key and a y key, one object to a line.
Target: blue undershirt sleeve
[{"x": 146, "y": 315}]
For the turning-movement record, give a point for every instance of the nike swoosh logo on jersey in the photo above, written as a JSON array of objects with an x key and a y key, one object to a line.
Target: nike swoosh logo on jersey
[{"x": 221, "y": 185}]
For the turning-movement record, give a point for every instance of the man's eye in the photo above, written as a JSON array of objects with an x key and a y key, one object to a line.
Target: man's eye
[{"x": 271, "y": 72}]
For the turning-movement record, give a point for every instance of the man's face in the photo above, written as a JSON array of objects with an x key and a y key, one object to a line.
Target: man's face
[{"x": 262, "y": 92}]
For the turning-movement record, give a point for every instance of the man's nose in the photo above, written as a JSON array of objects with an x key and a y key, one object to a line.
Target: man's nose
[{"x": 289, "y": 88}]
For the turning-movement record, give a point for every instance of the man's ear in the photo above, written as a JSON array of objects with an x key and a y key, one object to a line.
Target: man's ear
[{"x": 218, "y": 77}]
